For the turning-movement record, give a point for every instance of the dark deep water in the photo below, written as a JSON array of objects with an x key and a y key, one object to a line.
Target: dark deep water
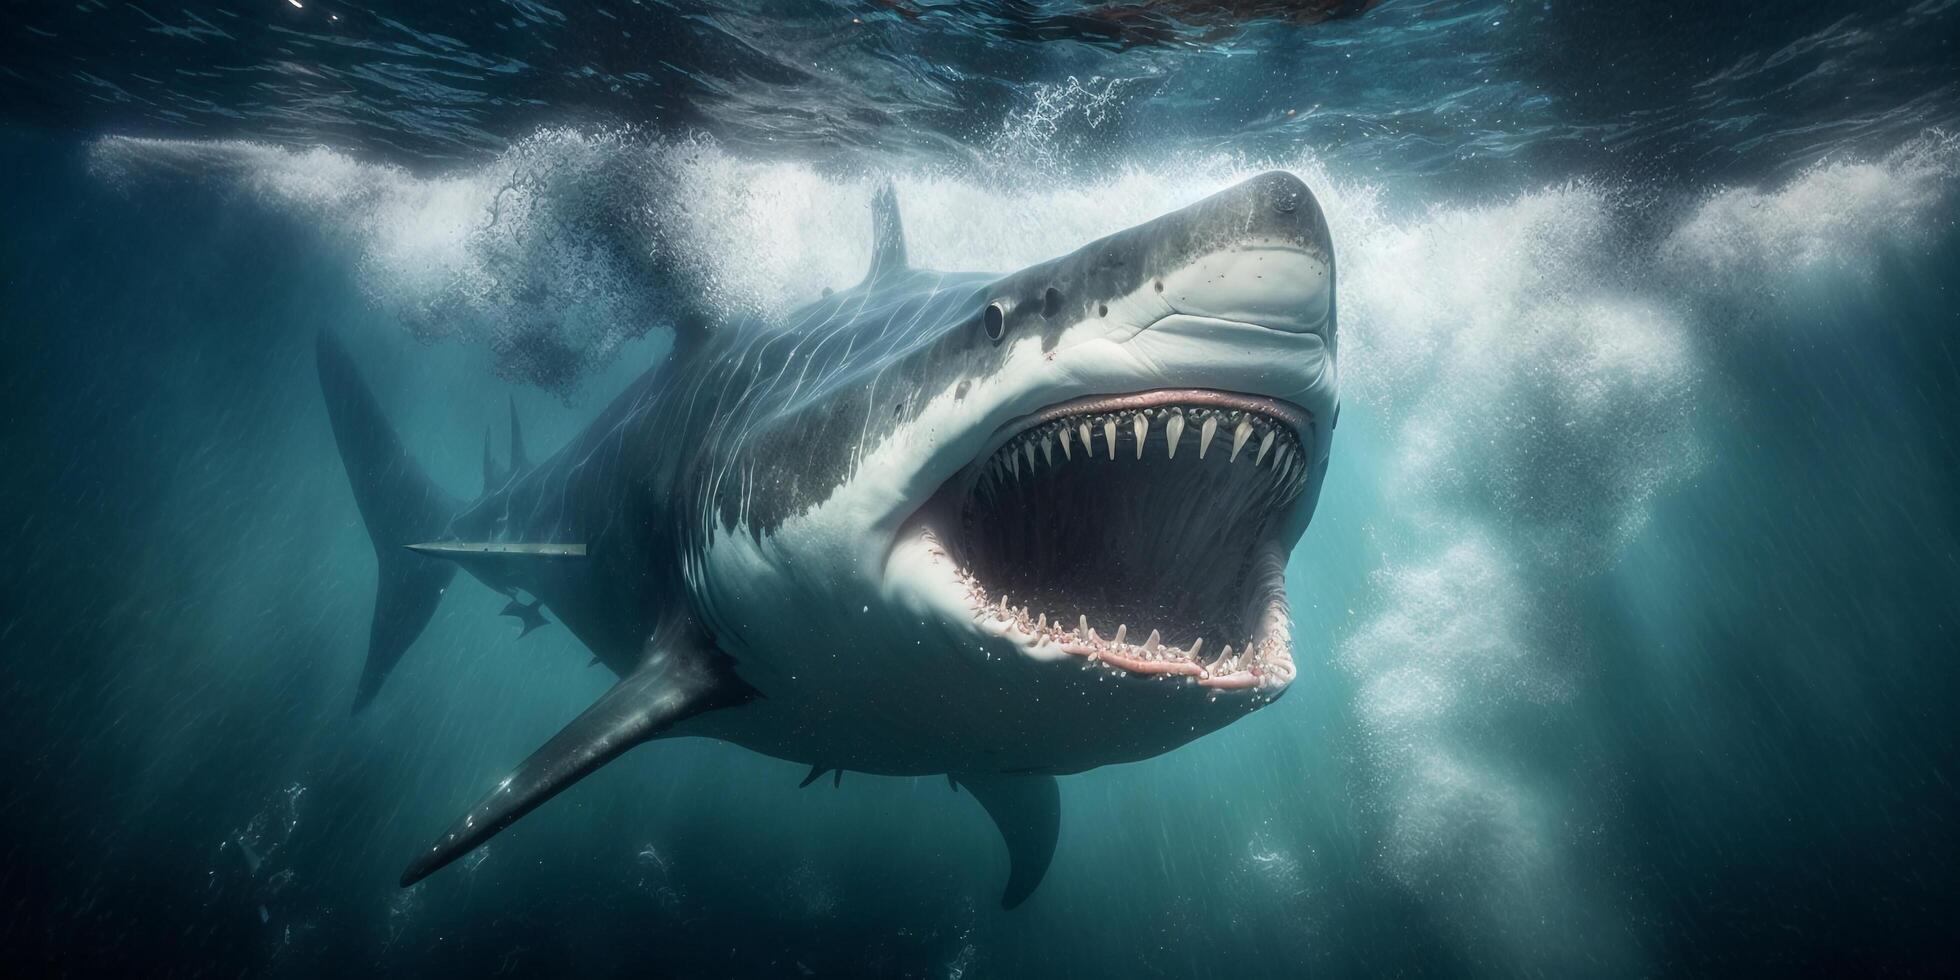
[{"x": 1626, "y": 624}]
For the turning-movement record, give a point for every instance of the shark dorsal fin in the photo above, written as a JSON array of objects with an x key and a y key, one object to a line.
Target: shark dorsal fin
[
  {"x": 519, "y": 459},
  {"x": 887, "y": 234},
  {"x": 492, "y": 478}
]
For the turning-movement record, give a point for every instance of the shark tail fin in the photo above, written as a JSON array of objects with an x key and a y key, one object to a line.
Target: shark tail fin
[
  {"x": 400, "y": 506},
  {"x": 1027, "y": 809}
]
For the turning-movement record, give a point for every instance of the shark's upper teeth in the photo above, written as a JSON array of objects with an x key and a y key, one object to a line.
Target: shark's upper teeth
[
  {"x": 1239, "y": 436},
  {"x": 1250, "y": 430}
]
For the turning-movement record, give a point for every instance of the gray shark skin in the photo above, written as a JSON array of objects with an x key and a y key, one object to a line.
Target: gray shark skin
[{"x": 921, "y": 526}]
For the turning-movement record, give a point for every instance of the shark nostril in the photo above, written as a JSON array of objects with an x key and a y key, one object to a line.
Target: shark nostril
[
  {"x": 1160, "y": 285},
  {"x": 995, "y": 320},
  {"x": 1051, "y": 303},
  {"x": 1102, "y": 309}
]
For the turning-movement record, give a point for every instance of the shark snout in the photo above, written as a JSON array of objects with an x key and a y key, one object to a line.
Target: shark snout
[
  {"x": 1258, "y": 253},
  {"x": 1276, "y": 286}
]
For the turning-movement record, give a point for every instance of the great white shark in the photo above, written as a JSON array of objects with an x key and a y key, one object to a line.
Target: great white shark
[{"x": 996, "y": 527}]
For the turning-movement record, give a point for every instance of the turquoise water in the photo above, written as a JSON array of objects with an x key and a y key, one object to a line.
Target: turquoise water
[{"x": 1626, "y": 623}]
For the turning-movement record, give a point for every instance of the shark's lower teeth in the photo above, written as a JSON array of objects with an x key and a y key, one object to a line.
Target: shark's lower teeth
[
  {"x": 1197, "y": 434},
  {"x": 1260, "y": 663}
]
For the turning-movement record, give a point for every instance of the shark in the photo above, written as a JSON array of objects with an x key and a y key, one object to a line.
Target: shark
[{"x": 1000, "y": 528}]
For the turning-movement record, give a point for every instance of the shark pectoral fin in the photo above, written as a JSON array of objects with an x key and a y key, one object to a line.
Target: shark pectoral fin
[
  {"x": 1028, "y": 812},
  {"x": 816, "y": 773},
  {"x": 497, "y": 550},
  {"x": 673, "y": 684}
]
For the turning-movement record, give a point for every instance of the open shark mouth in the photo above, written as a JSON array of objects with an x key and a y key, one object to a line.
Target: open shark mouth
[{"x": 1137, "y": 532}]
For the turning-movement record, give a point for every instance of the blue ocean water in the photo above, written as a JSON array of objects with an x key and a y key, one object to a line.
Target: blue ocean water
[{"x": 1626, "y": 623}]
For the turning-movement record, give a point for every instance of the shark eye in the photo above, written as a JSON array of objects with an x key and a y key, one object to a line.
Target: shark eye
[
  {"x": 1051, "y": 302},
  {"x": 995, "y": 320}
]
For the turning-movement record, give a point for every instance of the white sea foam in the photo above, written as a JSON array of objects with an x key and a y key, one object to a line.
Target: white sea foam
[
  {"x": 1834, "y": 216},
  {"x": 1537, "y": 393},
  {"x": 554, "y": 254}
]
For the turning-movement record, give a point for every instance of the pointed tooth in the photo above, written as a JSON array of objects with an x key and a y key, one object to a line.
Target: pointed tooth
[
  {"x": 1048, "y": 449},
  {"x": 1122, "y": 630},
  {"x": 1109, "y": 436},
  {"x": 1239, "y": 436},
  {"x": 1014, "y": 464},
  {"x": 1264, "y": 444},
  {"x": 1028, "y": 447},
  {"x": 1042, "y": 623},
  {"x": 1150, "y": 645},
  {"x": 1197, "y": 646},
  {"x": 1082, "y": 627},
  {"x": 1283, "y": 457},
  {"x": 1141, "y": 426},
  {"x": 1173, "y": 431},
  {"x": 1088, "y": 446},
  {"x": 1066, "y": 439},
  {"x": 1223, "y": 656},
  {"x": 1205, "y": 432}
]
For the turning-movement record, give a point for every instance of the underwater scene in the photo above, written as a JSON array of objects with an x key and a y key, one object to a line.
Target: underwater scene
[{"x": 1021, "y": 488}]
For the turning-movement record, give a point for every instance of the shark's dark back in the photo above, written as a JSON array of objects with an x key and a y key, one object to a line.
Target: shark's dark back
[{"x": 738, "y": 428}]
